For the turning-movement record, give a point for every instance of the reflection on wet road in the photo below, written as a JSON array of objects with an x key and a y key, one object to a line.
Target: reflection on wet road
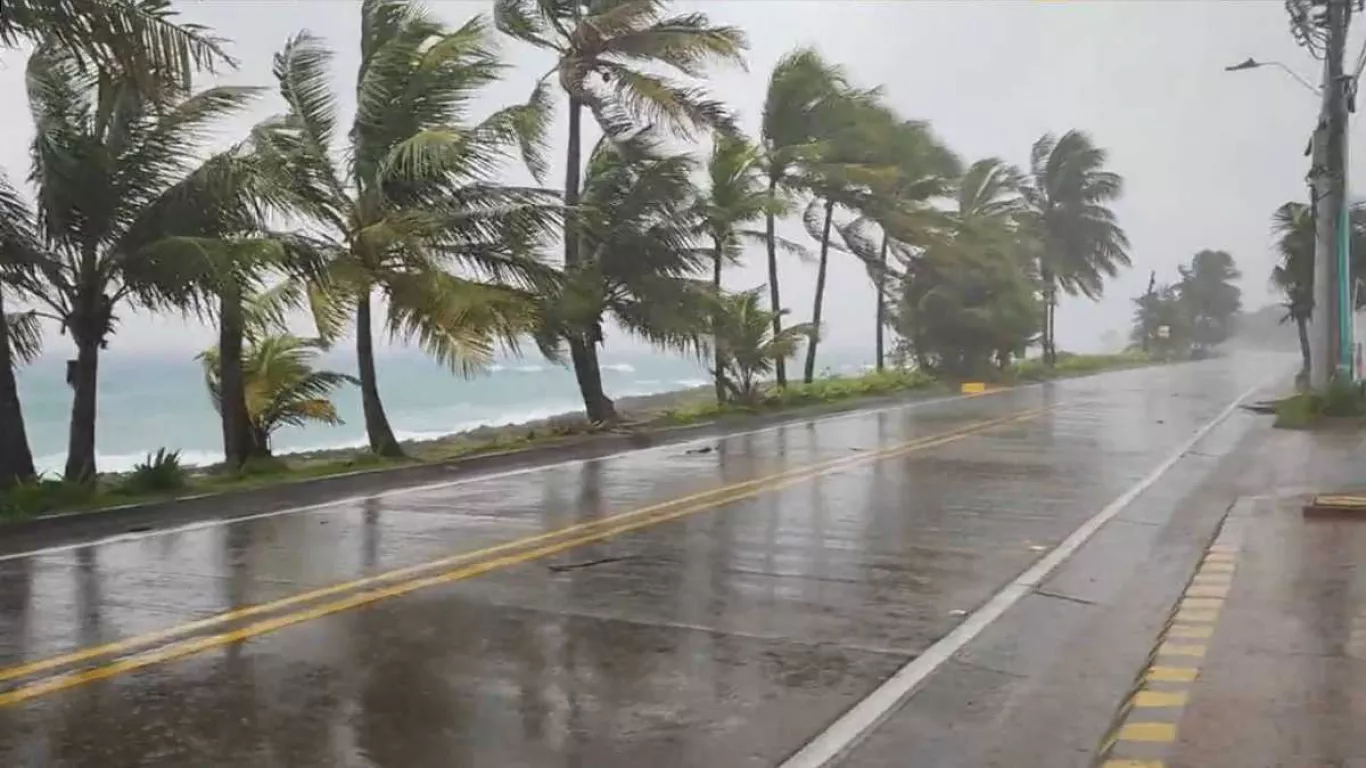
[{"x": 667, "y": 607}]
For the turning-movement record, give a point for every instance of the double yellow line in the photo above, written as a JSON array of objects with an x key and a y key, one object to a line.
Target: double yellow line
[{"x": 371, "y": 589}]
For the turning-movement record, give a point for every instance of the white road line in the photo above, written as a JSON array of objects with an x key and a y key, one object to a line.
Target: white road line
[
  {"x": 127, "y": 537},
  {"x": 836, "y": 741}
]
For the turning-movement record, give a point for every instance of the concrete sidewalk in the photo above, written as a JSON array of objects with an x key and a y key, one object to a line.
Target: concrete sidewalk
[{"x": 1264, "y": 660}]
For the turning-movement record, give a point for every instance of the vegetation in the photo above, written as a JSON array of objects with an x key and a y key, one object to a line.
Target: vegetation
[
  {"x": 1191, "y": 316},
  {"x": 1343, "y": 401},
  {"x": 160, "y": 473},
  {"x": 1078, "y": 239},
  {"x": 607, "y": 41},
  {"x": 402, "y": 219},
  {"x": 1293, "y": 224},
  {"x": 281, "y": 386},
  {"x": 746, "y": 349}
]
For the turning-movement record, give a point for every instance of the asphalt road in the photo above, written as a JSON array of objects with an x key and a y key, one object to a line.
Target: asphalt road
[{"x": 714, "y": 604}]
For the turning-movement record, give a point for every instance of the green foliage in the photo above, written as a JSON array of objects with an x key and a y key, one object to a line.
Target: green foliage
[
  {"x": 746, "y": 348},
  {"x": 640, "y": 238},
  {"x": 835, "y": 388},
  {"x": 135, "y": 37},
  {"x": 1036, "y": 369},
  {"x": 1187, "y": 319},
  {"x": 1342, "y": 400},
  {"x": 41, "y": 496},
  {"x": 282, "y": 387},
  {"x": 1067, "y": 217},
  {"x": 600, "y": 47},
  {"x": 1212, "y": 300},
  {"x": 967, "y": 302},
  {"x": 161, "y": 472}
]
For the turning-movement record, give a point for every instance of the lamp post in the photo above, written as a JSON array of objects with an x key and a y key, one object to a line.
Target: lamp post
[
  {"x": 1331, "y": 347},
  {"x": 1252, "y": 63}
]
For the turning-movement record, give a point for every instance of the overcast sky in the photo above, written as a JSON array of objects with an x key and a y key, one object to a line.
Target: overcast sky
[{"x": 1207, "y": 155}]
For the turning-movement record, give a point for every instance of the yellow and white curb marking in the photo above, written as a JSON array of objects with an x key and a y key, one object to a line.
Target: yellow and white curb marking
[{"x": 1145, "y": 727}]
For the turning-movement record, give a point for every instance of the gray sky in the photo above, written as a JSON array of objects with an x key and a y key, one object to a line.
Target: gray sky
[{"x": 1207, "y": 155}]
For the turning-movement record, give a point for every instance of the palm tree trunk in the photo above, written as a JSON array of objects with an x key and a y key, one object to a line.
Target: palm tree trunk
[
  {"x": 881, "y": 305},
  {"x": 238, "y": 442},
  {"x": 16, "y": 460},
  {"x": 583, "y": 352},
  {"x": 717, "y": 362},
  {"x": 83, "y": 376},
  {"x": 1050, "y": 290},
  {"x": 377, "y": 429},
  {"x": 1302, "y": 326},
  {"x": 809, "y": 375},
  {"x": 260, "y": 441},
  {"x": 775, "y": 305},
  {"x": 596, "y": 404}
]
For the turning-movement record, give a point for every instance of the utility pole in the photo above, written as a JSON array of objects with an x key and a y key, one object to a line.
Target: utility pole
[
  {"x": 1149, "y": 307},
  {"x": 1330, "y": 329}
]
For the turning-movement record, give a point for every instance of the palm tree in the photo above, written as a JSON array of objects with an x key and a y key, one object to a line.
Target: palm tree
[
  {"x": 19, "y": 337},
  {"x": 968, "y": 292},
  {"x": 900, "y": 215},
  {"x": 282, "y": 387},
  {"x": 802, "y": 87},
  {"x": 112, "y": 167},
  {"x": 137, "y": 39},
  {"x": 224, "y": 258},
  {"x": 844, "y": 171},
  {"x": 1210, "y": 296},
  {"x": 641, "y": 238},
  {"x": 746, "y": 349},
  {"x": 416, "y": 196},
  {"x": 1069, "y": 192},
  {"x": 735, "y": 197},
  {"x": 609, "y": 40}
]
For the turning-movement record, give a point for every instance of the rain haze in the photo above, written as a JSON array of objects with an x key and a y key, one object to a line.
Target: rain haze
[{"x": 1206, "y": 155}]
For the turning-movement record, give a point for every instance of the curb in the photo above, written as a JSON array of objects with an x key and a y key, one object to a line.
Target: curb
[{"x": 1144, "y": 728}]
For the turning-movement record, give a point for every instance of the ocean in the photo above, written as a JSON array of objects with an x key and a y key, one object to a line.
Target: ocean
[{"x": 149, "y": 401}]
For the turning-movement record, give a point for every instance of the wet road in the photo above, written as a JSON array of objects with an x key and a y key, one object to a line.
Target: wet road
[{"x": 670, "y": 607}]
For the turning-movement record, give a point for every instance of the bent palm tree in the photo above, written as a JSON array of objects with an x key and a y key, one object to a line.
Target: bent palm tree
[
  {"x": 282, "y": 387},
  {"x": 640, "y": 235},
  {"x": 844, "y": 172},
  {"x": 800, "y": 89},
  {"x": 417, "y": 196},
  {"x": 746, "y": 349},
  {"x": 112, "y": 167},
  {"x": 898, "y": 213},
  {"x": 1069, "y": 192},
  {"x": 607, "y": 40},
  {"x": 735, "y": 197}
]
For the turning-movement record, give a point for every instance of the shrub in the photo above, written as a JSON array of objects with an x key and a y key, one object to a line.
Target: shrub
[
  {"x": 41, "y": 496},
  {"x": 162, "y": 472},
  {"x": 1342, "y": 400}
]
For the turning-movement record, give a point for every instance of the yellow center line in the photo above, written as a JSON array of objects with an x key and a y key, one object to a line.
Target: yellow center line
[{"x": 591, "y": 531}]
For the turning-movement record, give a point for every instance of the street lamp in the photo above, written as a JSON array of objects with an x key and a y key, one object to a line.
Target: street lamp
[
  {"x": 1252, "y": 63},
  {"x": 1332, "y": 259}
]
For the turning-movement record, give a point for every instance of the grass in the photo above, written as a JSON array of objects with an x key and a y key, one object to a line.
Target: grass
[
  {"x": 1033, "y": 370},
  {"x": 162, "y": 477},
  {"x": 1343, "y": 403}
]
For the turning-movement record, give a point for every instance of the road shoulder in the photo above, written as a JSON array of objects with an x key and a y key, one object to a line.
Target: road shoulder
[{"x": 1039, "y": 686}]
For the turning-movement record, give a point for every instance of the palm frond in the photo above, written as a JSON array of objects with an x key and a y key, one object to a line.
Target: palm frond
[
  {"x": 25, "y": 337},
  {"x": 457, "y": 322},
  {"x": 137, "y": 38}
]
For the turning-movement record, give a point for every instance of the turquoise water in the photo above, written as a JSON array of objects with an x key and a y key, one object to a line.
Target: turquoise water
[{"x": 148, "y": 401}]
